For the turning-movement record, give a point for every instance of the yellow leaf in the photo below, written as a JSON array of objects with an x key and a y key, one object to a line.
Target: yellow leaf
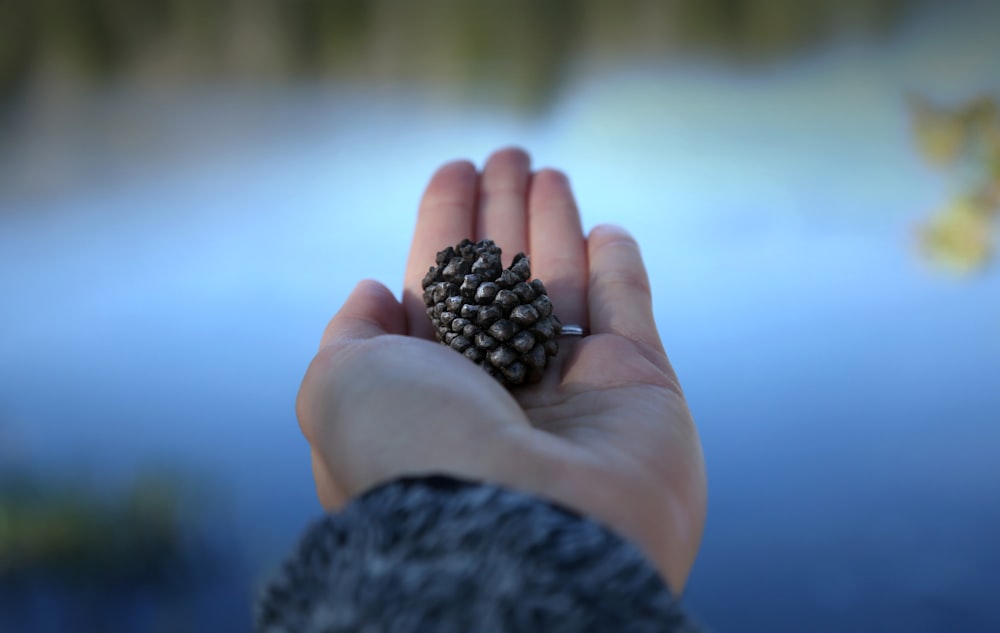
[{"x": 959, "y": 237}]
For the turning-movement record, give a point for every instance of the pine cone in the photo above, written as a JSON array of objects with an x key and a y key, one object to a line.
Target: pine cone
[{"x": 495, "y": 317}]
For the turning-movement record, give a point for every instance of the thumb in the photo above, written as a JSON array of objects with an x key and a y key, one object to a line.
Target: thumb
[{"x": 370, "y": 310}]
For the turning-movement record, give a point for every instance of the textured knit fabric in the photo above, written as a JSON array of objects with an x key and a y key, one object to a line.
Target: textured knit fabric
[{"x": 437, "y": 555}]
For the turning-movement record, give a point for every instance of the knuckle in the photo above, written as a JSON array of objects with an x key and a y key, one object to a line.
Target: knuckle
[
  {"x": 628, "y": 280},
  {"x": 446, "y": 205}
]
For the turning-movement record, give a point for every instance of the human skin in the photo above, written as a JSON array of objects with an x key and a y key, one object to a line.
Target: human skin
[{"x": 607, "y": 431}]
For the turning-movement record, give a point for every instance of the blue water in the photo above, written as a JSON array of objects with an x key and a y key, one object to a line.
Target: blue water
[{"x": 164, "y": 287}]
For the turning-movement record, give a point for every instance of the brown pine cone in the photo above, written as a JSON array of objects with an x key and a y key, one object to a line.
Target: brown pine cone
[{"x": 500, "y": 319}]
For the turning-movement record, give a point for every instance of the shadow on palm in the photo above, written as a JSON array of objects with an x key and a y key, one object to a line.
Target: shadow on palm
[{"x": 608, "y": 400}]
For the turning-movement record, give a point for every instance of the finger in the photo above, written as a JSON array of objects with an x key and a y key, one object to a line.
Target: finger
[
  {"x": 447, "y": 216},
  {"x": 619, "y": 295},
  {"x": 503, "y": 192},
  {"x": 558, "y": 250},
  {"x": 370, "y": 310}
]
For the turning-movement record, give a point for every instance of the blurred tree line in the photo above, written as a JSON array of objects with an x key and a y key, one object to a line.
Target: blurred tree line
[
  {"x": 515, "y": 49},
  {"x": 72, "y": 532},
  {"x": 85, "y": 554},
  {"x": 506, "y": 52}
]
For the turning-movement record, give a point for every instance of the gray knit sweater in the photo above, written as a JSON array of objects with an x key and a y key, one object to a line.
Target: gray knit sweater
[{"x": 439, "y": 555}]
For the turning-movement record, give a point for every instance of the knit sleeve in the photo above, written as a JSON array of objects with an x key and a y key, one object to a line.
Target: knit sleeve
[{"x": 439, "y": 555}]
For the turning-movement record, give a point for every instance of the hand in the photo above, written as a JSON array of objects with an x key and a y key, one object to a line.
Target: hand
[{"x": 607, "y": 431}]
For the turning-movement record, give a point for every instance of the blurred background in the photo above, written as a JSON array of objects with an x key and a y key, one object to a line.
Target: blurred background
[{"x": 188, "y": 190}]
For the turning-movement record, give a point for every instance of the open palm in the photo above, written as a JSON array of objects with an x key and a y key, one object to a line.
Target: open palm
[{"x": 606, "y": 432}]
